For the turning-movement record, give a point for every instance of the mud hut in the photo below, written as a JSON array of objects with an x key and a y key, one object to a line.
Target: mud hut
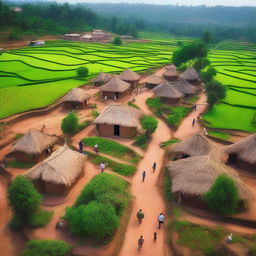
[
  {"x": 57, "y": 174},
  {"x": 243, "y": 153},
  {"x": 76, "y": 99},
  {"x": 186, "y": 88},
  {"x": 130, "y": 77},
  {"x": 119, "y": 120},
  {"x": 101, "y": 79},
  {"x": 171, "y": 73},
  {"x": 196, "y": 145},
  {"x": 33, "y": 147},
  {"x": 168, "y": 93},
  {"x": 191, "y": 76},
  {"x": 115, "y": 89},
  {"x": 193, "y": 177},
  {"x": 152, "y": 81}
]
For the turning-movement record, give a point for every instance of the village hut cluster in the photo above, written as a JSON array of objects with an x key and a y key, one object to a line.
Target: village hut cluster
[{"x": 94, "y": 36}]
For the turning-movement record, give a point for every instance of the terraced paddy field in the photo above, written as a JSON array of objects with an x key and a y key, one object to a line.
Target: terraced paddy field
[
  {"x": 34, "y": 77},
  {"x": 236, "y": 65}
]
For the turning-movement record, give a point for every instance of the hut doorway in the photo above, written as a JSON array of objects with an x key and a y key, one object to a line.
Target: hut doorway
[
  {"x": 232, "y": 158},
  {"x": 116, "y": 95},
  {"x": 117, "y": 130}
]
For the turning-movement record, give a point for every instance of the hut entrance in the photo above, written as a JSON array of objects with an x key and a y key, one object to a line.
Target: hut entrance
[
  {"x": 232, "y": 158},
  {"x": 117, "y": 130},
  {"x": 116, "y": 95}
]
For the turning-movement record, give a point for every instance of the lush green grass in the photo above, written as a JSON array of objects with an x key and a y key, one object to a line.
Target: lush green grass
[
  {"x": 113, "y": 148},
  {"x": 19, "y": 165},
  {"x": 169, "y": 142},
  {"x": 219, "y": 135},
  {"x": 41, "y": 218}
]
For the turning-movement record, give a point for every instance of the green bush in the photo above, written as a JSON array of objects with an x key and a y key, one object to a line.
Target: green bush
[
  {"x": 19, "y": 165},
  {"x": 117, "y": 41},
  {"x": 40, "y": 218},
  {"x": 154, "y": 103},
  {"x": 131, "y": 104},
  {"x": 201, "y": 63},
  {"x": 47, "y": 248},
  {"x": 208, "y": 75},
  {"x": 82, "y": 71},
  {"x": 223, "y": 196},
  {"x": 70, "y": 124},
  {"x": 95, "y": 113},
  {"x": 169, "y": 142},
  {"x": 149, "y": 124},
  {"x": 142, "y": 141},
  {"x": 216, "y": 91},
  {"x": 177, "y": 114}
]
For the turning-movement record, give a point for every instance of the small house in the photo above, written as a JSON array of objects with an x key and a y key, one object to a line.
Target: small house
[
  {"x": 167, "y": 93},
  {"x": 87, "y": 38},
  {"x": 115, "y": 89},
  {"x": 77, "y": 98},
  {"x": 130, "y": 77},
  {"x": 119, "y": 120},
  {"x": 36, "y": 43},
  {"x": 72, "y": 37},
  {"x": 101, "y": 79},
  {"x": 152, "y": 81},
  {"x": 186, "y": 88},
  {"x": 171, "y": 73},
  {"x": 58, "y": 173},
  {"x": 99, "y": 34},
  {"x": 243, "y": 153},
  {"x": 191, "y": 76},
  {"x": 33, "y": 147}
]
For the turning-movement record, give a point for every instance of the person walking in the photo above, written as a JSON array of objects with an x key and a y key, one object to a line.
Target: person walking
[
  {"x": 194, "y": 107},
  {"x": 154, "y": 166},
  {"x": 81, "y": 146},
  {"x": 143, "y": 175},
  {"x": 96, "y": 149},
  {"x": 140, "y": 243},
  {"x": 155, "y": 236},
  {"x": 160, "y": 220},
  {"x": 102, "y": 167},
  {"x": 193, "y": 122},
  {"x": 140, "y": 216}
]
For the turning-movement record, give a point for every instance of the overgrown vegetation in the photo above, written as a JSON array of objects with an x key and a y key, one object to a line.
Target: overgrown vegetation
[
  {"x": 219, "y": 135},
  {"x": 117, "y": 41},
  {"x": 169, "y": 142},
  {"x": 19, "y": 165},
  {"x": 149, "y": 124},
  {"x": 131, "y": 104},
  {"x": 82, "y": 71}
]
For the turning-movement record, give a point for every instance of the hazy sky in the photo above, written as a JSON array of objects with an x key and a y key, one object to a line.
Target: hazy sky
[{"x": 180, "y": 2}]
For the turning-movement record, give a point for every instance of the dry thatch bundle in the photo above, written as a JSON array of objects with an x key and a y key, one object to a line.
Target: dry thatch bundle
[
  {"x": 129, "y": 75},
  {"x": 196, "y": 145},
  {"x": 167, "y": 90},
  {"x": 171, "y": 71},
  {"x": 77, "y": 95},
  {"x": 34, "y": 142},
  {"x": 184, "y": 87},
  {"x": 190, "y": 74},
  {"x": 119, "y": 114},
  {"x": 102, "y": 78},
  {"x": 245, "y": 149},
  {"x": 153, "y": 79},
  {"x": 62, "y": 167},
  {"x": 195, "y": 175},
  {"x": 115, "y": 85}
]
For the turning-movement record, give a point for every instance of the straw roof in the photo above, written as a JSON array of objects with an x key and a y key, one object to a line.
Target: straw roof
[
  {"x": 171, "y": 71},
  {"x": 167, "y": 90},
  {"x": 102, "y": 78},
  {"x": 34, "y": 142},
  {"x": 153, "y": 79},
  {"x": 189, "y": 74},
  {"x": 119, "y": 114},
  {"x": 245, "y": 149},
  {"x": 77, "y": 94},
  {"x": 184, "y": 87},
  {"x": 63, "y": 166},
  {"x": 115, "y": 85},
  {"x": 196, "y": 145},
  {"x": 195, "y": 175},
  {"x": 129, "y": 75}
]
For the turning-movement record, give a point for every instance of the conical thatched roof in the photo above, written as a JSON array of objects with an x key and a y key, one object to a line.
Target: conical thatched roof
[
  {"x": 77, "y": 95},
  {"x": 62, "y": 167},
  {"x": 167, "y": 90},
  {"x": 34, "y": 142},
  {"x": 119, "y": 114},
  {"x": 197, "y": 145},
  {"x": 171, "y": 71},
  {"x": 245, "y": 149},
  {"x": 102, "y": 78},
  {"x": 153, "y": 79},
  {"x": 115, "y": 85},
  {"x": 189, "y": 74},
  {"x": 129, "y": 75},
  {"x": 184, "y": 87},
  {"x": 195, "y": 175}
]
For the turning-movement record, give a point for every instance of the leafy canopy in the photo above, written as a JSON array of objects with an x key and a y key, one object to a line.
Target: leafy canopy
[
  {"x": 149, "y": 124},
  {"x": 117, "y": 41},
  {"x": 82, "y": 71},
  {"x": 208, "y": 75},
  {"x": 70, "y": 124}
]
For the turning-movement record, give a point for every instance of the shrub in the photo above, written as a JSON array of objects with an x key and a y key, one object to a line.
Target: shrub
[
  {"x": 23, "y": 199},
  {"x": 169, "y": 142},
  {"x": 141, "y": 141},
  {"x": 201, "y": 63},
  {"x": 131, "y": 104},
  {"x": 215, "y": 92},
  {"x": 82, "y": 71},
  {"x": 149, "y": 124},
  {"x": 154, "y": 102},
  {"x": 95, "y": 113},
  {"x": 223, "y": 196},
  {"x": 117, "y": 41},
  {"x": 40, "y": 218},
  {"x": 47, "y": 247},
  {"x": 70, "y": 124},
  {"x": 177, "y": 114},
  {"x": 208, "y": 75}
]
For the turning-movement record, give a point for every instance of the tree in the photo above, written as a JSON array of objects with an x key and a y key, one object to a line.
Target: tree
[
  {"x": 117, "y": 41},
  {"x": 23, "y": 199},
  {"x": 82, "y": 71},
  {"x": 149, "y": 124},
  {"x": 201, "y": 63},
  {"x": 223, "y": 196},
  {"x": 208, "y": 75},
  {"x": 215, "y": 92},
  {"x": 70, "y": 124}
]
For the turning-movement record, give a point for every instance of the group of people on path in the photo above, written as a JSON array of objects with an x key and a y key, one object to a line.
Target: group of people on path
[{"x": 144, "y": 172}]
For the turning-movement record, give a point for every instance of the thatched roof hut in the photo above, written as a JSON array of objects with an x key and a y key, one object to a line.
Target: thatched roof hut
[
  {"x": 101, "y": 78},
  {"x": 243, "y": 152},
  {"x": 171, "y": 73},
  {"x": 130, "y": 77},
  {"x": 152, "y": 81},
  {"x": 184, "y": 87},
  {"x": 190, "y": 75},
  {"x": 76, "y": 98},
  {"x": 56, "y": 174},
  {"x": 194, "y": 176},
  {"x": 119, "y": 120},
  {"x": 196, "y": 145}
]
